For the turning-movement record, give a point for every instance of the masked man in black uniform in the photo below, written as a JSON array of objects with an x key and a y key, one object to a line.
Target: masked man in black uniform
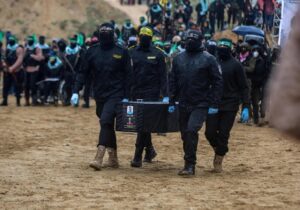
[
  {"x": 196, "y": 82},
  {"x": 235, "y": 90},
  {"x": 108, "y": 65},
  {"x": 149, "y": 81},
  {"x": 13, "y": 72}
]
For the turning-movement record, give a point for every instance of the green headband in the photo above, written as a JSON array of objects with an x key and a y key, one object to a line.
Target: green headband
[{"x": 225, "y": 42}]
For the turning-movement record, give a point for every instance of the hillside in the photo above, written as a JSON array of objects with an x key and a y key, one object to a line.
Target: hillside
[{"x": 55, "y": 18}]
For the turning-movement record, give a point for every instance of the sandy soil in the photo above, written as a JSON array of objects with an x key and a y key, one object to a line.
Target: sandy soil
[
  {"x": 54, "y": 18},
  {"x": 45, "y": 151},
  {"x": 134, "y": 12}
]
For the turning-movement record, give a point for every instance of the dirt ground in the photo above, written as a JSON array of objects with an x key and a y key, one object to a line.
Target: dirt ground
[{"x": 45, "y": 151}]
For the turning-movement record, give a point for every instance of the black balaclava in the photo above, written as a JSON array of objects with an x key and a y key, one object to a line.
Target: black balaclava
[
  {"x": 11, "y": 42},
  {"x": 145, "y": 41},
  {"x": 193, "y": 41},
  {"x": 30, "y": 41},
  {"x": 224, "y": 52},
  {"x": 73, "y": 44},
  {"x": 106, "y": 35},
  {"x": 62, "y": 45},
  {"x": 145, "y": 36},
  {"x": 42, "y": 40}
]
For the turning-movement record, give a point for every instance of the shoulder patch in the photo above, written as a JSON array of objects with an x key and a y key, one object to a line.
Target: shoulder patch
[
  {"x": 132, "y": 47},
  {"x": 151, "y": 57},
  {"x": 117, "y": 56}
]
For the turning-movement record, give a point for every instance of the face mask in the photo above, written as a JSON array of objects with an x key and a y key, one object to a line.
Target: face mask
[
  {"x": 30, "y": 42},
  {"x": 224, "y": 52},
  {"x": 12, "y": 42},
  {"x": 73, "y": 45},
  {"x": 145, "y": 41},
  {"x": 106, "y": 39},
  {"x": 255, "y": 54},
  {"x": 42, "y": 42},
  {"x": 192, "y": 45}
]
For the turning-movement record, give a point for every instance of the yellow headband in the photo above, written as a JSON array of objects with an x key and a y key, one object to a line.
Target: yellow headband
[{"x": 146, "y": 31}]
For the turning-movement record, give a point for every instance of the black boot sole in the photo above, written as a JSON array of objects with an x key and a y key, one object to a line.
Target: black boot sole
[{"x": 136, "y": 164}]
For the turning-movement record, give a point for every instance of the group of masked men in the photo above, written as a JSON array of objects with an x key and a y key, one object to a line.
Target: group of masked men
[
  {"x": 38, "y": 70},
  {"x": 209, "y": 89}
]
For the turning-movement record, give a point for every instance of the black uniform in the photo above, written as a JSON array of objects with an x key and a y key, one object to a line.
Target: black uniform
[
  {"x": 258, "y": 81},
  {"x": 149, "y": 81},
  {"x": 109, "y": 69},
  {"x": 31, "y": 77},
  {"x": 14, "y": 79},
  {"x": 235, "y": 90},
  {"x": 196, "y": 82}
]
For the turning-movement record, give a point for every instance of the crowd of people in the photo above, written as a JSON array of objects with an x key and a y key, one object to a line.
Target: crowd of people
[{"x": 169, "y": 57}]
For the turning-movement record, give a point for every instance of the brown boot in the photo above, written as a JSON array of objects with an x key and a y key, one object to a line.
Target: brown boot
[
  {"x": 218, "y": 163},
  {"x": 112, "y": 158},
  {"x": 97, "y": 162}
]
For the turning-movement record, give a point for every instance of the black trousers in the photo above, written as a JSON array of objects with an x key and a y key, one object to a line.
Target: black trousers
[
  {"x": 191, "y": 121},
  {"x": 30, "y": 85},
  {"x": 232, "y": 15},
  {"x": 212, "y": 21},
  {"x": 220, "y": 21},
  {"x": 218, "y": 127},
  {"x": 106, "y": 112},
  {"x": 69, "y": 84},
  {"x": 12, "y": 80},
  {"x": 51, "y": 88},
  {"x": 144, "y": 139},
  {"x": 87, "y": 91},
  {"x": 256, "y": 97}
]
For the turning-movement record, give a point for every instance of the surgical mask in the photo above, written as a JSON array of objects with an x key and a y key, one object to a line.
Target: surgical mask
[
  {"x": 255, "y": 54},
  {"x": 192, "y": 45},
  {"x": 12, "y": 42},
  {"x": 145, "y": 41}
]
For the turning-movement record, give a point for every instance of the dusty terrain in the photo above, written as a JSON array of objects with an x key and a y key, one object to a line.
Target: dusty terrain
[
  {"x": 44, "y": 155},
  {"x": 55, "y": 18}
]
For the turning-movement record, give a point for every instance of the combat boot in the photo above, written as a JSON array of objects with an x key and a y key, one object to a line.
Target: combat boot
[
  {"x": 188, "y": 170},
  {"x": 112, "y": 158},
  {"x": 4, "y": 103},
  {"x": 18, "y": 102},
  {"x": 218, "y": 160},
  {"x": 97, "y": 162},
  {"x": 137, "y": 159},
  {"x": 150, "y": 154}
]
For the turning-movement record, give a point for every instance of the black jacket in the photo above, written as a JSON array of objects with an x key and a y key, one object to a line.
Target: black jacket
[
  {"x": 108, "y": 68},
  {"x": 260, "y": 75},
  {"x": 196, "y": 80},
  {"x": 149, "y": 74},
  {"x": 235, "y": 86}
]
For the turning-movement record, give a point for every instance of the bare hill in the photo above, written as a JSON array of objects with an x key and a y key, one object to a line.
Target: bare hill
[{"x": 55, "y": 18}]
